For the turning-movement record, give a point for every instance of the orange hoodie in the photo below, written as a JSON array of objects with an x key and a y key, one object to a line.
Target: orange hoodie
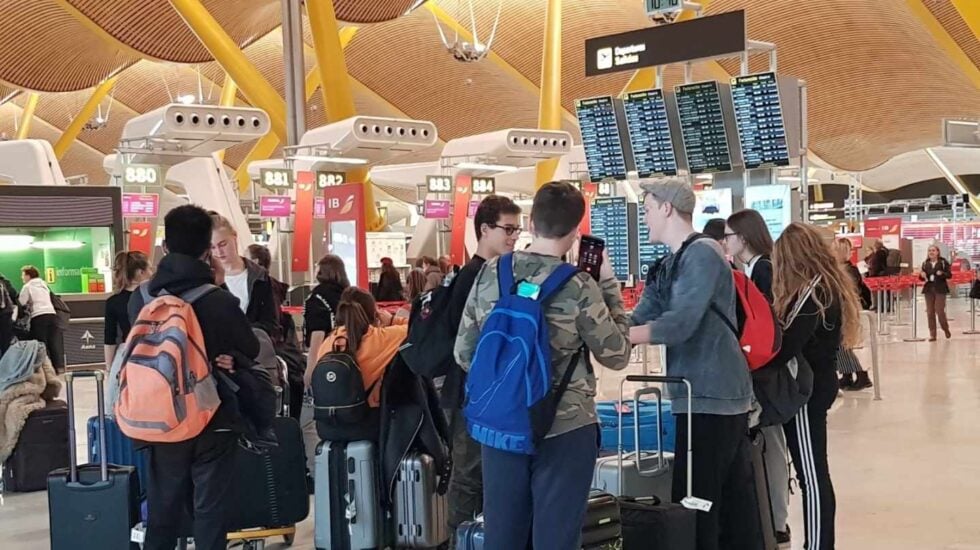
[{"x": 377, "y": 349}]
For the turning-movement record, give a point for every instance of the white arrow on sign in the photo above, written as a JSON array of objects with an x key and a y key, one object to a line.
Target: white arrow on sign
[{"x": 88, "y": 337}]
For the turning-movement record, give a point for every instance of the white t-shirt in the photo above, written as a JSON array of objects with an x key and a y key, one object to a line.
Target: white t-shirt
[
  {"x": 238, "y": 285},
  {"x": 36, "y": 294}
]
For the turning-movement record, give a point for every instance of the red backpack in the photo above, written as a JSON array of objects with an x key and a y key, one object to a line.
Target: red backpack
[{"x": 759, "y": 333}]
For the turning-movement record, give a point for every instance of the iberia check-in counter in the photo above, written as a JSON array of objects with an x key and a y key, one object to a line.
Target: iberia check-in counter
[{"x": 71, "y": 235}]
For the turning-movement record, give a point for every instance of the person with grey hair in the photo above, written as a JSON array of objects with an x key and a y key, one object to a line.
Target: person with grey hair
[{"x": 688, "y": 306}]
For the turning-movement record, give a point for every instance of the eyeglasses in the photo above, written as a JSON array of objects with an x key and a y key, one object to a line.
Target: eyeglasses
[{"x": 509, "y": 229}]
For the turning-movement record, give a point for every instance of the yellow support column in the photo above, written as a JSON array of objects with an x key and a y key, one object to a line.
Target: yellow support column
[
  {"x": 229, "y": 93},
  {"x": 549, "y": 106},
  {"x": 227, "y": 53},
  {"x": 28, "y": 116},
  {"x": 83, "y": 116},
  {"x": 338, "y": 99},
  {"x": 969, "y": 10}
]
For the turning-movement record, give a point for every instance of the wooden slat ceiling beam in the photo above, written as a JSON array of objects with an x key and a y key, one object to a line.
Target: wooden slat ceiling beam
[
  {"x": 949, "y": 17},
  {"x": 878, "y": 85},
  {"x": 371, "y": 11}
]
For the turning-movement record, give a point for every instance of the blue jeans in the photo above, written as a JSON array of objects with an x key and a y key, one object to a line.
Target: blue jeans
[{"x": 540, "y": 498}]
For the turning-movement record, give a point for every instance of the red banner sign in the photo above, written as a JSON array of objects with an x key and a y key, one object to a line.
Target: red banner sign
[
  {"x": 880, "y": 227},
  {"x": 461, "y": 206},
  {"x": 141, "y": 237},
  {"x": 303, "y": 223},
  {"x": 345, "y": 226}
]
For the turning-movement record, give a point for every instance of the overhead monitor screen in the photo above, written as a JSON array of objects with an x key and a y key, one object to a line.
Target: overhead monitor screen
[
  {"x": 648, "y": 252},
  {"x": 600, "y": 138},
  {"x": 759, "y": 119},
  {"x": 649, "y": 133},
  {"x": 703, "y": 128},
  {"x": 610, "y": 222}
]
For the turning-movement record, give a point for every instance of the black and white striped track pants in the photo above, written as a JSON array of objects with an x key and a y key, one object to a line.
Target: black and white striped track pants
[{"x": 806, "y": 437}]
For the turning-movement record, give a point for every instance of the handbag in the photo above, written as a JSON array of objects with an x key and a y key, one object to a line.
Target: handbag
[{"x": 783, "y": 389}]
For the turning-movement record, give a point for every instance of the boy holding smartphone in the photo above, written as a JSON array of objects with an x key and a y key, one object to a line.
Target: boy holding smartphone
[{"x": 542, "y": 497}]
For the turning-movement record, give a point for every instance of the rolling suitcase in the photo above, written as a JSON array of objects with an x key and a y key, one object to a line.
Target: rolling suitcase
[
  {"x": 652, "y": 523},
  {"x": 119, "y": 447},
  {"x": 761, "y": 479},
  {"x": 470, "y": 535},
  {"x": 41, "y": 447},
  {"x": 273, "y": 491},
  {"x": 601, "y": 527},
  {"x": 92, "y": 506},
  {"x": 608, "y": 413},
  {"x": 627, "y": 474},
  {"x": 347, "y": 514},
  {"x": 421, "y": 506}
]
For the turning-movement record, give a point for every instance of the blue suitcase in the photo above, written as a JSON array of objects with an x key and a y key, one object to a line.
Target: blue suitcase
[
  {"x": 469, "y": 535},
  {"x": 609, "y": 420},
  {"x": 119, "y": 448}
]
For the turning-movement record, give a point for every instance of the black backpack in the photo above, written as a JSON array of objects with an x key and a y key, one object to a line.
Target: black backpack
[
  {"x": 340, "y": 402},
  {"x": 428, "y": 350}
]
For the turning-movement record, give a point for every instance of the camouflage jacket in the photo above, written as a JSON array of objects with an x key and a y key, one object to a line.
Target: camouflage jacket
[{"x": 581, "y": 313}]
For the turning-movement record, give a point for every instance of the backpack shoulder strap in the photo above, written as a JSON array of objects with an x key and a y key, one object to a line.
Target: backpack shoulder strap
[
  {"x": 558, "y": 278},
  {"x": 197, "y": 293},
  {"x": 505, "y": 274}
]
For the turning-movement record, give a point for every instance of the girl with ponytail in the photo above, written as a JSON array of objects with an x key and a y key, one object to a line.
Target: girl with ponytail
[{"x": 372, "y": 336}]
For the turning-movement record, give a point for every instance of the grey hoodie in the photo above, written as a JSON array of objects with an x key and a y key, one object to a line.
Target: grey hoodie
[{"x": 700, "y": 346}]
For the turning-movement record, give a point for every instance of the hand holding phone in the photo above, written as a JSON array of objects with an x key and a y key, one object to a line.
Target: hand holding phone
[{"x": 591, "y": 256}]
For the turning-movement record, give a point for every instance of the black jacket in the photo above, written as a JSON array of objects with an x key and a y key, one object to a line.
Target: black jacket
[
  {"x": 263, "y": 305},
  {"x": 389, "y": 288},
  {"x": 935, "y": 283},
  {"x": 320, "y": 308},
  {"x": 878, "y": 263},
  {"x": 762, "y": 275},
  {"x": 410, "y": 420},
  {"x": 225, "y": 328},
  {"x": 863, "y": 291},
  {"x": 454, "y": 387},
  {"x": 12, "y": 299}
]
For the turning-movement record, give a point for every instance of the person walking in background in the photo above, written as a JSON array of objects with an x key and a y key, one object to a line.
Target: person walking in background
[
  {"x": 433, "y": 273},
  {"x": 129, "y": 269},
  {"x": 8, "y": 310},
  {"x": 853, "y": 376},
  {"x": 389, "y": 287},
  {"x": 935, "y": 271},
  {"x": 747, "y": 238},
  {"x": 35, "y": 296},
  {"x": 321, "y": 306},
  {"x": 820, "y": 311}
]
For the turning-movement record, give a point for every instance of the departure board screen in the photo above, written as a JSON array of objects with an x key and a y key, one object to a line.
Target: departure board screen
[
  {"x": 649, "y": 132},
  {"x": 610, "y": 222},
  {"x": 759, "y": 119},
  {"x": 647, "y": 251},
  {"x": 703, "y": 128},
  {"x": 600, "y": 138}
]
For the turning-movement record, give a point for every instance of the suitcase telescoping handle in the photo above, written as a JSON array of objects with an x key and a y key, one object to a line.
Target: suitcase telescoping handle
[
  {"x": 620, "y": 454},
  {"x": 72, "y": 452},
  {"x": 690, "y": 411}
]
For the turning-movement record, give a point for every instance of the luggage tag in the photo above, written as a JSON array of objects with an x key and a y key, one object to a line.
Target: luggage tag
[
  {"x": 528, "y": 290},
  {"x": 138, "y": 534},
  {"x": 695, "y": 503},
  {"x": 623, "y": 408}
]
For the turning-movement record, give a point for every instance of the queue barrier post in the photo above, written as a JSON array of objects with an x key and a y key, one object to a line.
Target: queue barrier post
[
  {"x": 915, "y": 313},
  {"x": 875, "y": 371},
  {"x": 899, "y": 289}
]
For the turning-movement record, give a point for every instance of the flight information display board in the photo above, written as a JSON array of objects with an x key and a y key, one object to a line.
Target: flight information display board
[
  {"x": 610, "y": 222},
  {"x": 601, "y": 138},
  {"x": 649, "y": 133},
  {"x": 703, "y": 128},
  {"x": 647, "y": 251},
  {"x": 759, "y": 119}
]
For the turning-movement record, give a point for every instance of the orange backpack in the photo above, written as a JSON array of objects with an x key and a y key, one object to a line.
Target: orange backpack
[{"x": 167, "y": 392}]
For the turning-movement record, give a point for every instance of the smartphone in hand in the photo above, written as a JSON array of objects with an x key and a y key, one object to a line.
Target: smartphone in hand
[{"x": 590, "y": 255}]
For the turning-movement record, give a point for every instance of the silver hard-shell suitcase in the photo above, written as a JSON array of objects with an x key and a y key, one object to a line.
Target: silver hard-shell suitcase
[
  {"x": 638, "y": 480},
  {"x": 347, "y": 513},
  {"x": 421, "y": 513}
]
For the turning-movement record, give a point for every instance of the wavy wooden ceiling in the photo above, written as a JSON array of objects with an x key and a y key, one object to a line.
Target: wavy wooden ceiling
[{"x": 879, "y": 84}]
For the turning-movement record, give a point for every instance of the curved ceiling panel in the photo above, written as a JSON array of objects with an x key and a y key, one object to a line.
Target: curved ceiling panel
[
  {"x": 371, "y": 11},
  {"x": 915, "y": 166},
  {"x": 879, "y": 85},
  {"x": 80, "y": 158},
  {"x": 155, "y": 29},
  {"x": 949, "y": 17},
  {"x": 44, "y": 48}
]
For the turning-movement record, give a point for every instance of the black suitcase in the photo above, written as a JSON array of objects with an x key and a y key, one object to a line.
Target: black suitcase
[
  {"x": 648, "y": 523},
  {"x": 761, "y": 478},
  {"x": 41, "y": 448},
  {"x": 92, "y": 506},
  {"x": 270, "y": 489},
  {"x": 602, "y": 525}
]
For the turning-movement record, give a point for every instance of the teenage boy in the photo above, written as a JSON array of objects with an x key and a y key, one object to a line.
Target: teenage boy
[
  {"x": 198, "y": 470},
  {"x": 684, "y": 307},
  {"x": 542, "y": 498},
  {"x": 497, "y": 223}
]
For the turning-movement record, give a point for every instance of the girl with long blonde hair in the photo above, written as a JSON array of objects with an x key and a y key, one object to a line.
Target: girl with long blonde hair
[{"x": 820, "y": 309}]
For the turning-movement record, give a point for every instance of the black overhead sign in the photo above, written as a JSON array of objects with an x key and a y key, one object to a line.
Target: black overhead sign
[{"x": 699, "y": 38}]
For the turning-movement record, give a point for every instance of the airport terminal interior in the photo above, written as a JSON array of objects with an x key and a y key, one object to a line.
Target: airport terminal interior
[{"x": 373, "y": 131}]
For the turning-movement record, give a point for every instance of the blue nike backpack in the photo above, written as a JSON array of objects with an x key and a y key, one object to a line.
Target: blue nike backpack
[{"x": 510, "y": 401}]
